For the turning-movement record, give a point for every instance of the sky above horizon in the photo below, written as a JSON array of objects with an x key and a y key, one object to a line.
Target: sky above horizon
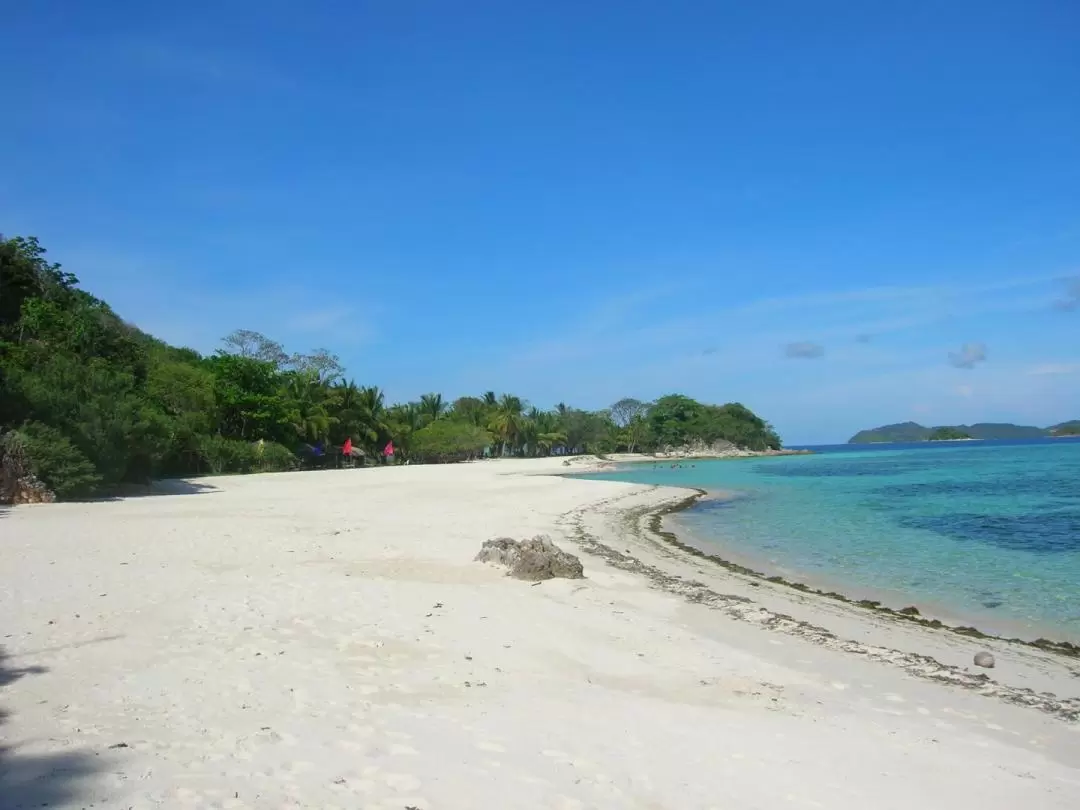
[{"x": 840, "y": 214}]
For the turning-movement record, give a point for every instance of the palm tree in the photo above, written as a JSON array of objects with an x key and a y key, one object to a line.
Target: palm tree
[
  {"x": 402, "y": 421},
  {"x": 432, "y": 406},
  {"x": 371, "y": 399},
  {"x": 540, "y": 432},
  {"x": 346, "y": 394},
  {"x": 471, "y": 410},
  {"x": 508, "y": 402},
  {"x": 308, "y": 414},
  {"x": 528, "y": 430},
  {"x": 507, "y": 420},
  {"x": 550, "y": 440},
  {"x": 352, "y": 422},
  {"x": 372, "y": 419}
]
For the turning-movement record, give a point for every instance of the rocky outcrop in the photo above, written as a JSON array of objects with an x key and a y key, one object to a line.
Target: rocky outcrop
[
  {"x": 721, "y": 449},
  {"x": 18, "y": 484},
  {"x": 532, "y": 560}
]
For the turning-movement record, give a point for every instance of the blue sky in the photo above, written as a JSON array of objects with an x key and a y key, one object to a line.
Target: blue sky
[{"x": 840, "y": 214}]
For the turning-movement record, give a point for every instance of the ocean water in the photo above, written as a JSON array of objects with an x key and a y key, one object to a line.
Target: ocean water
[{"x": 982, "y": 532}]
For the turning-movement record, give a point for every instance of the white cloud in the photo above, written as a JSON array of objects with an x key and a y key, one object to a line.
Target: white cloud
[{"x": 969, "y": 356}]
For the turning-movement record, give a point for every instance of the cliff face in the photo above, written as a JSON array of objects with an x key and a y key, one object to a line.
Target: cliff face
[{"x": 18, "y": 484}]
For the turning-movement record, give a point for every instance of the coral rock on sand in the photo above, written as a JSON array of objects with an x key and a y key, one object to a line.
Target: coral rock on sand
[
  {"x": 531, "y": 560},
  {"x": 984, "y": 659}
]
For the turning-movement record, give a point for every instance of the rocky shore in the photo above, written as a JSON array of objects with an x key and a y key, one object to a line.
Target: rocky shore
[{"x": 724, "y": 449}]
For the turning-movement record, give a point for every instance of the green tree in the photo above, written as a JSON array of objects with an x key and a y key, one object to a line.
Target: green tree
[
  {"x": 374, "y": 417},
  {"x": 26, "y": 275},
  {"x": 506, "y": 422},
  {"x": 322, "y": 363},
  {"x": 184, "y": 393},
  {"x": 351, "y": 419},
  {"x": 432, "y": 406},
  {"x": 99, "y": 403},
  {"x": 255, "y": 346},
  {"x": 248, "y": 392},
  {"x": 448, "y": 440},
  {"x": 470, "y": 409},
  {"x": 677, "y": 421},
  {"x": 306, "y": 398},
  {"x": 588, "y": 431},
  {"x": 630, "y": 416},
  {"x": 53, "y": 459}
]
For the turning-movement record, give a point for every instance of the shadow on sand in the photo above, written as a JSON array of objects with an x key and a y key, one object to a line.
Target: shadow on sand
[
  {"x": 38, "y": 780},
  {"x": 166, "y": 486}
]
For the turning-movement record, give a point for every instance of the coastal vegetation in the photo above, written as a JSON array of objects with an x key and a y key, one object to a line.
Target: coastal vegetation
[
  {"x": 89, "y": 402},
  {"x": 914, "y": 432},
  {"x": 1071, "y": 428},
  {"x": 948, "y": 434}
]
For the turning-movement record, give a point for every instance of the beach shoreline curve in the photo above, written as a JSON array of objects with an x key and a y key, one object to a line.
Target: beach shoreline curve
[{"x": 646, "y": 524}]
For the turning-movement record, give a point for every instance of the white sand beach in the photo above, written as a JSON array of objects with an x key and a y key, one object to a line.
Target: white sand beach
[{"x": 325, "y": 640}]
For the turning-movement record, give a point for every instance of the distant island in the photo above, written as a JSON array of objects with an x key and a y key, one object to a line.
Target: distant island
[
  {"x": 914, "y": 432},
  {"x": 949, "y": 434}
]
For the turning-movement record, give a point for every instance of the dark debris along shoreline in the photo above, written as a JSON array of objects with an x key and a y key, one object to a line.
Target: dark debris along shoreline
[{"x": 745, "y": 609}]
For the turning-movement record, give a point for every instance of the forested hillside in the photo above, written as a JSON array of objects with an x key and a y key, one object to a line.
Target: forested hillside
[
  {"x": 89, "y": 402},
  {"x": 985, "y": 431}
]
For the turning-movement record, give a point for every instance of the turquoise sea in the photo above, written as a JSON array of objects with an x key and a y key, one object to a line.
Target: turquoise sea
[{"x": 985, "y": 533}]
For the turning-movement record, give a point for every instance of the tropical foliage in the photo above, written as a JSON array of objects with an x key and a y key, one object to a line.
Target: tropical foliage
[
  {"x": 948, "y": 434},
  {"x": 94, "y": 402}
]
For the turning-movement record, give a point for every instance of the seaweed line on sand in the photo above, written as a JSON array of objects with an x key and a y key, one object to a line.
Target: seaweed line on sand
[
  {"x": 908, "y": 614},
  {"x": 744, "y": 609}
]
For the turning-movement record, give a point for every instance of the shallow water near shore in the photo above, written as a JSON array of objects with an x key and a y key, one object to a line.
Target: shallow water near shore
[{"x": 987, "y": 533}]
